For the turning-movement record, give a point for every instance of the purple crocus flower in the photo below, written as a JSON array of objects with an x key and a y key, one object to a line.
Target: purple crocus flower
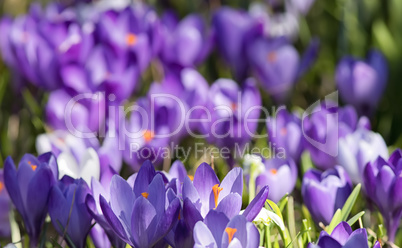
[
  {"x": 103, "y": 71},
  {"x": 5, "y": 206},
  {"x": 217, "y": 230},
  {"x": 122, "y": 31},
  {"x": 186, "y": 43},
  {"x": 140, "y": 216},
  {"x": 67, "y": 210},
  {"x": 233, "y": 113},
  {"x": 285, "y": 132},
  {"x": 79, "y": 114},
  {"x": 29, "y": 187},
  {"x": 206, "y": 192},
  {"x": 382, "y": 181},
  {"x": 343, "y": 237},
  {"x": 277, "y": 64},
  {"x": 280, "y": 175},
  {"x": 359, "y": 148},
  {"x": 325, "y": 192},
  {"x": 326, "y": 125},
  {"x": 234, "y": 32},
  {"x": 362, "y": 83},
  {"x": 144, "y": 138}
]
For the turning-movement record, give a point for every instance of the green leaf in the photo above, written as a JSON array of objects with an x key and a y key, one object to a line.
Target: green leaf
[
  {"x": 275, "y": 208},
  {"x": 336, "y": 219},
  {"x": 306, "y": 162},
  {"x": 353, "y": 220},
  {"x": 350, "y": 202}
]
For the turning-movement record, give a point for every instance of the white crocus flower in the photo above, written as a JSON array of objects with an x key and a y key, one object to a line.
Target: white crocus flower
[
  {"x": 253, "y": 164},
  {"x": 87, "y": 168},
  {"x": 266, "y": 217}
]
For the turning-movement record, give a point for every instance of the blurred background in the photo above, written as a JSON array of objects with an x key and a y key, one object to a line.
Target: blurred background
[{"x": 344, "y": 27}]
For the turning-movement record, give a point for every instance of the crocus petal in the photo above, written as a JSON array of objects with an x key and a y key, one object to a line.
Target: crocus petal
[
  {"x": 203, "y": 236},
  {"x": 67, "y": 165},
  {"x": 156, "y": 195},
  {"x": 230, "y": 205},
  {"x": 11, "y": 183},
  {"x": 113, "y": 221},
  {"x": 341, "y": 232},
  {"x": 122, "y": 200},
  {"x": 232, "y": 183},
  {"x": 239, "y": 222},
  {"x": 142, "y": 216},
  {"x": 191, "y": 214},
  {"x": 256, "y": 204},
  {"x": 204, "y": 179},
  {"x": 144, "y": 178},
  {"x": 357, "y": 239},
  {"x": 216, "y": 222},
  {"x": 90, "y": 166},
  {"x": 168, "y": 220}
]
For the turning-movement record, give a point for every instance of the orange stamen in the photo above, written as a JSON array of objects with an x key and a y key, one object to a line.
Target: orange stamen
[
  {"x": 148, "y": 135},
  {"x": 283, "y": 131},
  {"x": 1, "y": 186},
  {"x": 230, "y": 232},
  {"x": 131, "y": 39},
  {"x": 216, "y": 189},
  {"x": 273, "y": 171},
  {"x": 32, "y": 166},
  {"x": 191, "y": 177},
  {"x": 145, "y": 195},
  {"x": 272, "y": 57},
  {"x": 234, "y": 106}
]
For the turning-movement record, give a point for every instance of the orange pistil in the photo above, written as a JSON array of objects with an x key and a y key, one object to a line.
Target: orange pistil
[
  {"x": 148, "y": 136},
  {"x": 230, "y": 232},
  {"x": 273, "y": 171},
  {"x": 283, "y": 131},
  {"x": 145, "y": 195},
  {"x": 32, "y": 166},
  {"x": 1, "y": 186},
  {"x": 131, "y": 39},
  {"x": 272, "y": 57},
  {"x": 191, "y": 177},
  {"x": 216, "y": 189}
]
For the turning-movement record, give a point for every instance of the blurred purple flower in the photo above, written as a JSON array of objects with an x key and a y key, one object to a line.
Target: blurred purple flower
[
  {"x": 362, "y": 83},
  {"x": 343, "y": 237},
  {"x": 359, "y": 148},
  {"x": 29, "y": 187},
  {"x": 322, "y": 130},
  {"x": 285, "y": 131},
  {"x": 5, "y": 206},
  {"x": 67, "y": 210},
  {"x": 233, "y": 113},
  {"x": 144, "y": 136},
  {"x": 140, "y": 216},
  {"x": 217, "y": 230},
  {"x": 382, "y": 181},
  {"x": 325, "y": 192},
  {"x": 79, "y": 114},
  {"x": 280, "y": 175},
  {"x": 277, "y": 64},
  {"x": 235, "y": 30},
  {"x": 186, "y": 43}
]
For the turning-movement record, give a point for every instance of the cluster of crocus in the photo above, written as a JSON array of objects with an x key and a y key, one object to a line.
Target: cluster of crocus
[{"x": 149, "y": 209}]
